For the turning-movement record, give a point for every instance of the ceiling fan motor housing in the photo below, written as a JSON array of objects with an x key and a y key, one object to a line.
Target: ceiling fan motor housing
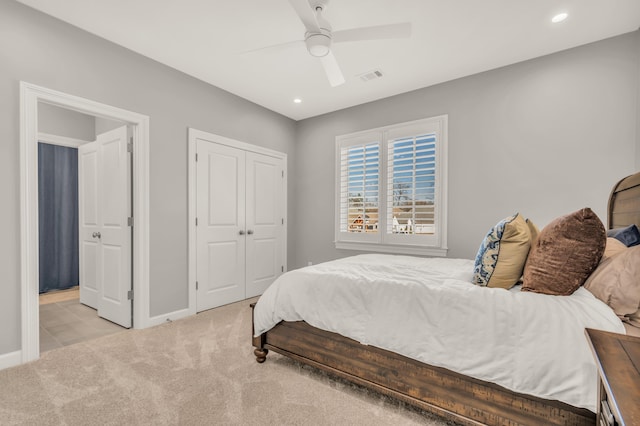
[{"x": 318, "y": 44}]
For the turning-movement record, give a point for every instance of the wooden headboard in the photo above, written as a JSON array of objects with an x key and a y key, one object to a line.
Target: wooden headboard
[
  {"x": 624, "y": 210},
  {"x": 624, "y": 203}
]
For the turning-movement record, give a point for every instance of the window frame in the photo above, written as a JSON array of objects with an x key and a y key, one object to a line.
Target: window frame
[{"x": 382, "y": 241}]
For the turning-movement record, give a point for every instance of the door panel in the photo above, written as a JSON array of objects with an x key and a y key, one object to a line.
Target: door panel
[
  {"x": 223, "y": 198},
  {"x": 115, "y": 201},
  {"x": 88, "y": 222},
  {"x": 220, "y": 255},
  {"x": 265, "y": 197},
  {"x": 220, "y": 210},
  {"x": 265, "y": 259},
  {"x": 104, "y": 172},
  {"x": 112, "y": 257},
  {"x": 114, "y": 182}
]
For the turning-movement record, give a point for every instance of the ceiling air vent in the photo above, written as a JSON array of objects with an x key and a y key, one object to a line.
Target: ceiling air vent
[{"x": 371, "y": 75}]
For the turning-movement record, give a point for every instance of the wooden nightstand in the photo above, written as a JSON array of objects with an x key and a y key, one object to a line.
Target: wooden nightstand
[{"x": 618, "y": 360}]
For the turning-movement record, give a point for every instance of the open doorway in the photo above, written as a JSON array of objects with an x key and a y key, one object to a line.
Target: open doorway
[
  {"x": 67, "y": 251},
  {"x": 31, "y": 96}
]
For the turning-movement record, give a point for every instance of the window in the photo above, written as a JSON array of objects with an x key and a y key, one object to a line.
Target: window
[{"x": 391, "y": 184}]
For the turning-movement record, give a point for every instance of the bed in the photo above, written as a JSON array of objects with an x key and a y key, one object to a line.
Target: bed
[{"x": 453, "y": 391}]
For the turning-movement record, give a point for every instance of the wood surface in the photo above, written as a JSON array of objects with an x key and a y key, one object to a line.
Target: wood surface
[
  {"x": 454, "y": 396},
  {"x": 618, "y": 360},
  {"x": 624, "y": 203},
  {"x": 464, "y": 399}
]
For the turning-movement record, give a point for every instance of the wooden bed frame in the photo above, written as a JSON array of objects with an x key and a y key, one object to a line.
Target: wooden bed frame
[{"x": 451, "y": 395}]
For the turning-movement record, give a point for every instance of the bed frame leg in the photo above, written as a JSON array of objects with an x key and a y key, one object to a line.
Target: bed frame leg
[
  {"x": 258, "y": 342},
  {"x": 261, "y": 354}
]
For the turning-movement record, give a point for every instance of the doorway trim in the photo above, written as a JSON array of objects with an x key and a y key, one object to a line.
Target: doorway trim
[{"x": 30, "y": 96}]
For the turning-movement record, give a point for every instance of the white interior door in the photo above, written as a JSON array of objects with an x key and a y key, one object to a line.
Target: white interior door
[
  {"x": 105, "y": 235},
  {"x": 114, "y": 265},
  {"x": 220, "y": 211},
  {"x": 88, "y": 222},
  {"x": 265, "y": 222}
]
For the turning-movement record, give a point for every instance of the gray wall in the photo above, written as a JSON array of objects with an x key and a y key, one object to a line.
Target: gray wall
[
  {"x": 64, "y": 122},
  {"x": 543, "y": 137},
  {"x": 104, "y": 125},
  {"x": 638, "y": 106},
  {"x": 47, "y": 52}
]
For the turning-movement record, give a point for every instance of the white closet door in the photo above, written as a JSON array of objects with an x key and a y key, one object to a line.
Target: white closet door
[
  {"x": 114, "y": 263},
  {"x": 220, "y": 176},
  {"x": 265, "y": 223},
  {"x": 88, "y": 222}
]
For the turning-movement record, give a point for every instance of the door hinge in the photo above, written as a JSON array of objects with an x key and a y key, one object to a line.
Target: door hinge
[
  {"x": 283, "y": 221},
  {"x": 196, "y": 221},
  {"x": 196, "y": 157},
  {"x": 283, "y": 173},
  {"x": 130, "y": 295},
  {"x": 130, "y": 221},
  {"x": 130, "y": 145},
  {"x": 196, "y": 285},
  {"x": 282, "y": 268}
]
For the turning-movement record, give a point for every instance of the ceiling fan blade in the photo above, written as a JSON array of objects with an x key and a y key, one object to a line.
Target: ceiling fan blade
[
  {"x": 306, "y": 14},
  {"x": 332, "y": 69},
  {"x": 276, "y": 47},
  {"x": 378, "y": 32}
]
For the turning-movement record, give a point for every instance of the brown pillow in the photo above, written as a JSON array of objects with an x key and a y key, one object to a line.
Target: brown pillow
[
  {"x": 565, "y": 253},
  {"x": 617, "y": 283}
]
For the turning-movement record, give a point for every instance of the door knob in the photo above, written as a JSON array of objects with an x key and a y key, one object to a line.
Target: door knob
[
  {"x": 96, "y": 235},
  {"x": 241, "y": 232},
  {"x": 250, "y": 231}
]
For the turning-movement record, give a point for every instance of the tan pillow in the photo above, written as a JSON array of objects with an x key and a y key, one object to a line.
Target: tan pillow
[
  {"x": 566, "y": 252},
  {"x": 613, "y": 247},
  {"x": 617, "y": 283},
  {"x": 502, "y": 254},
  {"x": 634, "y": 318},
  {"x": 533, "y": 231},
  {"x": 632, "y": 330}
]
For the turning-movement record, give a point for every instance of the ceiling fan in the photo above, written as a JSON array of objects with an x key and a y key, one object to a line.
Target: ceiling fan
[{"x": 319, "y": 37}]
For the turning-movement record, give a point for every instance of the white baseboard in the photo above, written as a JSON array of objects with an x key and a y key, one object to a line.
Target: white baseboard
[
  {"x": 10, "y": 359},
  {"x": 171, "y": 316}
]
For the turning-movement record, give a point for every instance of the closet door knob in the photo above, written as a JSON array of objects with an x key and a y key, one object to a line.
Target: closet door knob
[
  {"x": 241, "y": 232},
  {"x": 250, "y": 231},
  {"x": 96, "y": 235}
]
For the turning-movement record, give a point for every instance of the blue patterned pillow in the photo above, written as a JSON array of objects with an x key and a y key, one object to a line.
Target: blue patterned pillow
[{"x": 503, "y": 253}]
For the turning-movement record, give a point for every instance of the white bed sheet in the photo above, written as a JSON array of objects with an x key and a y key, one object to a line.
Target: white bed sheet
[{"x": 427, "y": 309}]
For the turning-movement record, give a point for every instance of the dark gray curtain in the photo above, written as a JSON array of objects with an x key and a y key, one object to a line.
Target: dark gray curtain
[{"x": 58, "y": 216}]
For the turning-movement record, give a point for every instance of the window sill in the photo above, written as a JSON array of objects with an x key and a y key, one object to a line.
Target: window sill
[{"x": 392, "y": 248}]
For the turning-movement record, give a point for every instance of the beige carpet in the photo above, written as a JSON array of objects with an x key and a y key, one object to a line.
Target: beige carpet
[{"x": 196, "y": 371}]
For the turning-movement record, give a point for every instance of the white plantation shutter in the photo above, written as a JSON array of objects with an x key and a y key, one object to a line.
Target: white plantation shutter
[
  {"x": 391, "y": 188},
  {"x": 359, "y": 189},
  {"x": 411, "y": 185}
]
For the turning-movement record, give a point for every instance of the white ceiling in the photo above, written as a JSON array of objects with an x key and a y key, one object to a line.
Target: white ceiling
[{"x": 451, "y": 38}]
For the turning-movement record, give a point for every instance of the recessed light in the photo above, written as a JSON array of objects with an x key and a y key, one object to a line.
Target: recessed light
[
  {"x": 297, "y": 100},
  {"x": 559, "y": 17}
]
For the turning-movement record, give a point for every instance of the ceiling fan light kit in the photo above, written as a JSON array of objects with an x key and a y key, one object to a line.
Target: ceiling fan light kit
[
  {"x": 318, "y": 45},
  {"x": 319, "y": 36}
]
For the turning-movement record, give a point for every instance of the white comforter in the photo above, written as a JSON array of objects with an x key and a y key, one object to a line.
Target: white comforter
[{"x": 428, "y": 310}]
